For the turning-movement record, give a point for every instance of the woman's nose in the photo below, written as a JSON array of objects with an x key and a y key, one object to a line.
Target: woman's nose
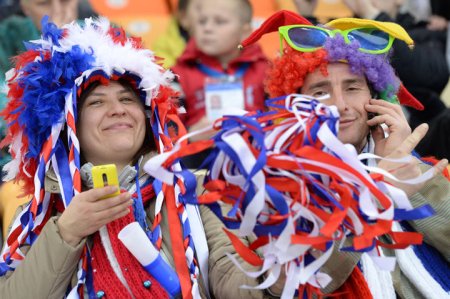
[{"x": 116, "y": 108}]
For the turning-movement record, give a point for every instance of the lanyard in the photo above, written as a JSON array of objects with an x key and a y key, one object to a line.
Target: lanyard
[{"x": 217, "y": 74}]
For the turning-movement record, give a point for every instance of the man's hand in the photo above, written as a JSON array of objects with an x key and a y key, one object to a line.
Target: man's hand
[
  {"x": 410, "y": 170},
  {"x": 437, "y": 23},
  {"x": 392, "y": 116},
  {"x": 88, "y": 212}
]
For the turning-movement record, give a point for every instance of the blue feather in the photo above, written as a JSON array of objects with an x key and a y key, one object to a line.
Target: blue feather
[
  {"x": 46, "y": 84},
  {"x": 51, "y": 31}
]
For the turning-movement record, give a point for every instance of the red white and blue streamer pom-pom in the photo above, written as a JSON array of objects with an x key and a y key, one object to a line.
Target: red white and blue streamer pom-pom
[{"x": 291, "y": 183}]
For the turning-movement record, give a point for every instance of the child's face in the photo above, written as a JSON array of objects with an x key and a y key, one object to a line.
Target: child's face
[{"x": 219, "y": 28}]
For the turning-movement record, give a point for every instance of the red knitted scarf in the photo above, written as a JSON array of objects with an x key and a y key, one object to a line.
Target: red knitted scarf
[
  {"x": 105, "y": 280},
  {"x": 355, "y": 287}
]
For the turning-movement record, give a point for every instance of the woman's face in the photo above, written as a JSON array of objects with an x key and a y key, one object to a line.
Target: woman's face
[{"x": 111, "y": 125}]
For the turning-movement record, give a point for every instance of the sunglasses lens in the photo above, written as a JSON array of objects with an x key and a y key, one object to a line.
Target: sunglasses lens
[
  {"x": 370, "y": 38},
  {"x": 307, "y": 38}
]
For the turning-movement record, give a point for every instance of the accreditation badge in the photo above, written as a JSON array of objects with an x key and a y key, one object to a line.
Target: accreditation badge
[{"x": 221, "y": 94}]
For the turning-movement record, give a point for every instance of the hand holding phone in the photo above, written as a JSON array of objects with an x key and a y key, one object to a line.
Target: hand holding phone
[{"x": 105, "y": 175}]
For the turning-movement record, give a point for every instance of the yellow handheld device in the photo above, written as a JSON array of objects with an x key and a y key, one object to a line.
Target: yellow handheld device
[{"x": 105, "y": 175}]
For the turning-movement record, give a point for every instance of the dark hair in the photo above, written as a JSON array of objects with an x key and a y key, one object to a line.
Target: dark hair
[{"x": 149, "y": 142}]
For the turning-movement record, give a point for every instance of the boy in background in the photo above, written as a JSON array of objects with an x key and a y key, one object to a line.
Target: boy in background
[{"x": 212, "y": 66}]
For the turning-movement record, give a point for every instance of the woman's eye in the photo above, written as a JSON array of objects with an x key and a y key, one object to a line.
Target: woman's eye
[
  {"x": 128, "y": 100},
  {"x": 94, "y": 103}
]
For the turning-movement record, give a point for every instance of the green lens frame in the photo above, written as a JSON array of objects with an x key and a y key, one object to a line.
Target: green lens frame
[{"x": 283, "y": 31}]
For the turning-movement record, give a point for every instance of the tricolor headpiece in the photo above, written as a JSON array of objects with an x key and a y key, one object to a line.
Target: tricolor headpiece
[{"x": 48, "y": 77}]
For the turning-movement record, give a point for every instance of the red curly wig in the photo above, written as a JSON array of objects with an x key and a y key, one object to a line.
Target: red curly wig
[{"x": 288, "y": 71}]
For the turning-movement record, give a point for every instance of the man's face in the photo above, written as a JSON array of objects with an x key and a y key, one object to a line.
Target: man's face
[
  {"x": 59, "y": 11},
  {"x": 349, "y": 93}
]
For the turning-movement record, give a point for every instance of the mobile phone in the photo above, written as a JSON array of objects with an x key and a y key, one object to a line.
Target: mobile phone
[
  {"x": 371, "y": 115},
  {"x": 105, "y": 175}
]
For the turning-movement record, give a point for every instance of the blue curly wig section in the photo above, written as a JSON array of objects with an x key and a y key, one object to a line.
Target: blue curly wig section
[{"x": 376, "y": 68}]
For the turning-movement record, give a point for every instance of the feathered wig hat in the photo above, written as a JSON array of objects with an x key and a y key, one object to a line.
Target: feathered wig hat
[
  {"x": 42, "y": 112},
  {"x": 290, "y": 69},
  {"x": 50, "y": 75}
]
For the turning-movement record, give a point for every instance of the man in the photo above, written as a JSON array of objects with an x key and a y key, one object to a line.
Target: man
[{"x": 350, "y": 69}]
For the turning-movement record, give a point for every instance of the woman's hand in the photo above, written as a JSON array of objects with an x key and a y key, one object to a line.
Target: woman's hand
[
  {"x": 392, "y": 116},
  {"x": 410, "y": 170},
  {"x": 88, "y": 212}
]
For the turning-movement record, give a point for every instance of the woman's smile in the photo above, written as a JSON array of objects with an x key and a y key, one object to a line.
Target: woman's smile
[{"x": 118, "y": 126}]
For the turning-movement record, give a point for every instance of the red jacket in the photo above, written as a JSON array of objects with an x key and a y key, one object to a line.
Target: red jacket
[{"x": 192, "y": 79}]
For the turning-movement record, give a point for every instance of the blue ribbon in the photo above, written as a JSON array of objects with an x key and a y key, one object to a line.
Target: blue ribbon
[
  {"x": 414, "y": 214},
  {"x": 210, "y": 72}
]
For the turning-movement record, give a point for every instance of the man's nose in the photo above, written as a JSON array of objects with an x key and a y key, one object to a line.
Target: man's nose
[{"x": 337, "y": 99}]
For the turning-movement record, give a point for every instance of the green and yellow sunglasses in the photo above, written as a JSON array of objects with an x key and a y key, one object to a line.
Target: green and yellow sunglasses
[{"x": 308, "y": 38}]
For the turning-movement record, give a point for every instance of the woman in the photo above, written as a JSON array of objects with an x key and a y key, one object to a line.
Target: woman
[{"x": 82, "y": 96}]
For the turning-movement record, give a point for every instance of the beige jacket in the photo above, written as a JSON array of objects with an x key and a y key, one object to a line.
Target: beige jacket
[
  {"x": 50, "y": 265},
  {"x": 435, "y": 229}
]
